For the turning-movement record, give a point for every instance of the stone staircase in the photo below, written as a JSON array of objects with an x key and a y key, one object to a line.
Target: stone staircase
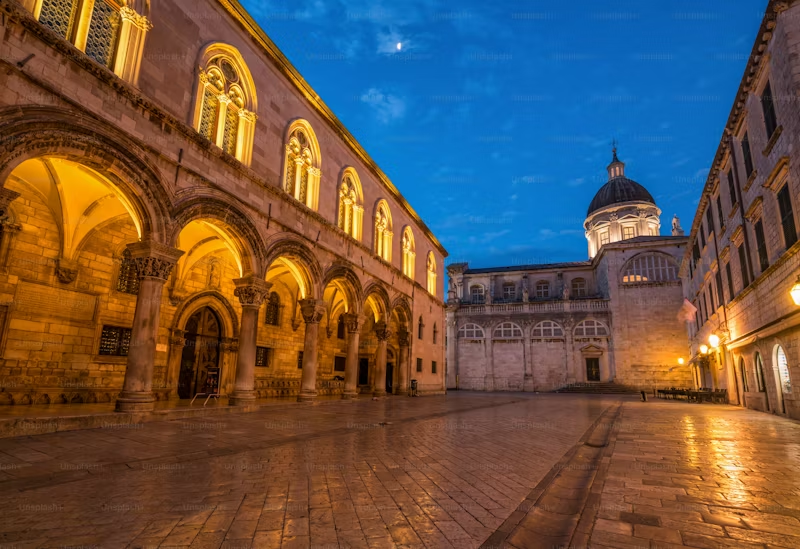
[{"x": 597, "y": 388}]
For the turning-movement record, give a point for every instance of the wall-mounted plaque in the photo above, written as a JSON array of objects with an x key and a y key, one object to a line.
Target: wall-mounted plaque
[{"x": 47, "y": 302}]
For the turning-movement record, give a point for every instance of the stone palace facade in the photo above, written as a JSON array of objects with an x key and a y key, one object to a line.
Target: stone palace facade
[
  {"x": 742, "y": 261},
  {"x": 613, "y": 318},
  {"x": 180, "y": 212}
]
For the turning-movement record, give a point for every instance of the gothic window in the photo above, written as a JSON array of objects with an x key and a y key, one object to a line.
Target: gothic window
[
  {"x": 128, "y": 278},
  {"x": 579, "y": 287},
  {"x": 115, "y": 341},
  {"x": 507, "y": 330},
  {"x": 103, "y": 28},
  {"x": 226, "y": 102},
  {"x": 431, "y": 274},
  {"x": 340, "y": 327},
  {"x": 628, "y": 232},
  {"x": 273, "y": 310},
  {"x": 746, "y": 155},
  {"x": 509, "y": 291},
  {"x": 471, "y": 331},
  {"x": 435, "y": 333},
  {"x": 409, "y": 252},
  {"x": 768, "y": 106},
  {"x": 650, "y": 267},
  {"x": 420, "y": 329},
  {"x": 547, "y": 329},
  {"x": 350, "y": 208},
  {"x": 301, "y": 166},
  {"x": 263, "y": 357},
  {"x": 383, "y": 231},
  {"x": 542, "y": 289},
  {"x": 591, "y": 328},
  {"x": 477, "y": 294}
]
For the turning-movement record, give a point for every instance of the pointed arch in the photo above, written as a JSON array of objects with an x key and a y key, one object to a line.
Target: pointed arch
[
  {"x": 409, "y": 248},
  {"x": 383, "y": 230},
  {"x": 377, "y": 299},
  {"x": 299, "y": 260},
  {"x": 216, "y": 301},
  {"x": 347, "y": 280},
  {"x": 226, "y": 101},
  {"x": 431, "y": 267},
  {"x": 351, "y": 204},
  {"x": 302, "y": 163},
  {"x": 402, "y": 310}
]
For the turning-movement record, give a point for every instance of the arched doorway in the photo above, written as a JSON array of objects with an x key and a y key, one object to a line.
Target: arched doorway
[
  {"x": 201, "y": 352},
  {"x": 780, "y": 365},
  {"x": 761, "y": 381},
  {"x": 389, "y": 371}
]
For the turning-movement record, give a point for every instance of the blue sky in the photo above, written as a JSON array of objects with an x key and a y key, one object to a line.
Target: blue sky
[{"x": 495, "y": 118}]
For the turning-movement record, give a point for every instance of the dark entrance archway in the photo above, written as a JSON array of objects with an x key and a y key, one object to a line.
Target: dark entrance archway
[
  {"x": 201, "y": 352},
  {"x": 389, "y": 371},
  {"x": 592, "y": 369}
]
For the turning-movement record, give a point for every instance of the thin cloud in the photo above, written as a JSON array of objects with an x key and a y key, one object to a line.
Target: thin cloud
[{"x": 386, "y": 107}]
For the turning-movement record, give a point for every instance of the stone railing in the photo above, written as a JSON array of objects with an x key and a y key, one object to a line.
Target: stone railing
[{"x": 568, "y": 306}]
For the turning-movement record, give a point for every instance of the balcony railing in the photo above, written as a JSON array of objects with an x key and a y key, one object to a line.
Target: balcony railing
[{"x": 562, "y": 306}]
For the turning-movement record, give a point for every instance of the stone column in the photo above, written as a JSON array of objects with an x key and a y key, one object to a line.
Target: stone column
[
  {"x": 383, "y": 333},
  {"x": 403, "y": 364},
  {"x": 312, "y": 311},
  {"x": 353, "y": 324},
  {"x": 251, "y": 292},
  {"x": 154, "y": 263}
]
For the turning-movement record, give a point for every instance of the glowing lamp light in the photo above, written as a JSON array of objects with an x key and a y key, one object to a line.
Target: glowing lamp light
[
  {"x": 399, "y": 46},
  {"x": 703, "y": 349},
  {"x": 681, "y": 361},
  {"x": 796, "y": 292},
  {"x": 713, "y": 340}
]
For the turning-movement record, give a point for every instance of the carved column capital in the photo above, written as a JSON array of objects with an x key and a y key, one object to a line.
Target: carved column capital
[
  {"x": 312, "y": 310},
  {"x": 353, "y": 322},
  {"x": 140, "y": 21},
  {"x": 404, "y": 337},
  {"x": 251, "y": 290},
  {"x": 6, "y": 197},
  {"x": 382, "y": 331},
  {"x": 153, "y": 259}
]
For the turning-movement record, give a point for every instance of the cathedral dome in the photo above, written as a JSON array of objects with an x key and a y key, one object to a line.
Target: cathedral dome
[{"x": 619, "y": 189}]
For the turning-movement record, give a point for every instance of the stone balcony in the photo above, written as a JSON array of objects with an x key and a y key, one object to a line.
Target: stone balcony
[{"x": 560, "y": 306}]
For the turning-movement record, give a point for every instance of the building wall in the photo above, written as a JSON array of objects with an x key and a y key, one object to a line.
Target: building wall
[
  {"x": 138, "y": 137},
  {"x": 758, "y": 316}
]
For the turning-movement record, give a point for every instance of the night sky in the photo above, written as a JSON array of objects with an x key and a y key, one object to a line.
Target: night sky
[{"x": 495, "y": 118}]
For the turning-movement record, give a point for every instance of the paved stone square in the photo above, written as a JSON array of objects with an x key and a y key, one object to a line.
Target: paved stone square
[{"x": 455, "y": 471}]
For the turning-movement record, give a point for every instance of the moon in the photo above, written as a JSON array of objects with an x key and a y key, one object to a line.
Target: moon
[{"x": 399, "y": 46}]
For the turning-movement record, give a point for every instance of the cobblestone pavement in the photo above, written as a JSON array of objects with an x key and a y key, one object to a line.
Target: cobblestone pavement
[
  {"x": 424, "y": 472},
  {"x": 689, "y": 475}
]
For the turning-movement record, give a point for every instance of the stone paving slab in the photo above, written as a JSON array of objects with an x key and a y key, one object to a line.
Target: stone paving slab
[{"x": 400, "y": 472}]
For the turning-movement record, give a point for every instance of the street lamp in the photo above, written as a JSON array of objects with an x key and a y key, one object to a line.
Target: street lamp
[
  {"x": 795, "y": 291},
  {"x": 703, "y": 349},
  {"x": 713, "y": 340}
]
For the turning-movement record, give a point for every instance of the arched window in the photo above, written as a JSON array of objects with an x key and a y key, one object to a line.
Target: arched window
[
  {"x": 470, "y": 331},
  {"x": 591, "y": 328},
  {"x": 547, "y": 329},
  {"x": 783, "y": 370},
  {"x": 477, "y": 294},
  {"x": 409, "y": 252},
  {"x": 420, "y": 329},
  {"x": 435, "y": 333},
  {"x": 743, "y": 373},
  {"x": 272, "y": 316},
  {"x": 351, "y": 210},
  {"x": 226, "y": 102},
  {"x": 579, "y": 287},
  {"x": 108, "y": 32},
  {"x": 507, "y": 330},
  {"x": 128, "y": 277},
  {"x": 431, "y": 274},
  {"x": 760, "y": 382},
  {"x": 302, "y": 164},
  {"x": 383, "y": 231},
  {"x": 542, "y": 289},
  {"x": 650, "y": 267}
]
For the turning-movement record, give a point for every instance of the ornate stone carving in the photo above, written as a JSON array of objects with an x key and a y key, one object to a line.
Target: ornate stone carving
[
  {"x": 404, "y": 338},
  {"x": 140, "y": 21},
  {"x": 251, "y": 290},
  {"x": 153, "y": 260},
  {"x": 352, "y": 322},
  {"x": 153, "y": 267},
  {"x": 177, "y": 338},
  {"x": 382, "y": 331},
  {"x": 66, "y": 271},
  {"x": 312, "y": 310}
]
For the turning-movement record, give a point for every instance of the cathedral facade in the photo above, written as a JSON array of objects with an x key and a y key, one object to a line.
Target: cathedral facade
[
  {"x": 611, "y": 318},
  {"x": 182, "y": 214}
]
